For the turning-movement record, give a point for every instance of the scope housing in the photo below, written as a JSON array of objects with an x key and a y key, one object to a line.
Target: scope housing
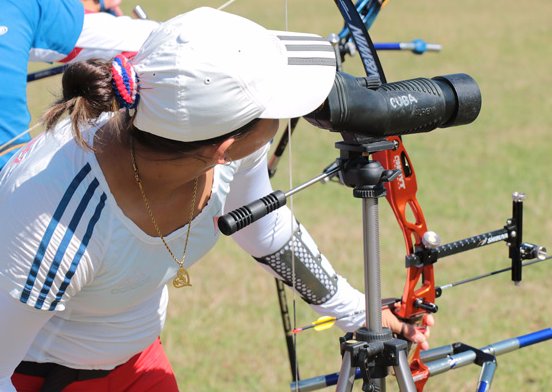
[{"x": 363, "y": 106}]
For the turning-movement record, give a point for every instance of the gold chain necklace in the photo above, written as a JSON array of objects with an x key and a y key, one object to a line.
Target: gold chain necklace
[{"x": 182, "y": 278}]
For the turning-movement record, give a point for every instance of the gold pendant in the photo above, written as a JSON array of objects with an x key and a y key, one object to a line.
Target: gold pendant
[{"x": 182, "y": 278}]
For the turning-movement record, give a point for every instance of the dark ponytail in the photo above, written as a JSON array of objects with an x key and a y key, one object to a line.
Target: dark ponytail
[{"x": 87, "y": 93}]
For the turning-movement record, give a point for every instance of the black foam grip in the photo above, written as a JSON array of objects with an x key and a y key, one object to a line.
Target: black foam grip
[{"x": 241, "y": 217}]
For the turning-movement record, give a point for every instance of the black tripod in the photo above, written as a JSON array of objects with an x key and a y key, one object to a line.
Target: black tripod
[{"x": 373, "y": 348}]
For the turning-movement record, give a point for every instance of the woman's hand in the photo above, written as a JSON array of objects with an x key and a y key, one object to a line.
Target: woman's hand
[{"x": 415, "y": 334}]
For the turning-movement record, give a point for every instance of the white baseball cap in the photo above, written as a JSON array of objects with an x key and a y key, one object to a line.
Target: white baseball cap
[{"x": 206, "y": 73}]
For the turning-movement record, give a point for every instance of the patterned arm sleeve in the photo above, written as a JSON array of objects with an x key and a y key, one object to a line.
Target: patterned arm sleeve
[{"x": 277, "y": 241}]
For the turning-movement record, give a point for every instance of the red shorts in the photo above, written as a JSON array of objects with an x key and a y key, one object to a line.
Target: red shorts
[{"x": 149, "y": 370}]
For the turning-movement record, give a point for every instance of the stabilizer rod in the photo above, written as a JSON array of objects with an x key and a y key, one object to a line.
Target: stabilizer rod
[
  {"x": 439, "y": 360},
  {"x": 241, "y": 217}
]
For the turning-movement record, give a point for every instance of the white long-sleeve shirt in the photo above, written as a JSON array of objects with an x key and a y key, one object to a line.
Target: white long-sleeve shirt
[
  {"x": 102, "y": 36},
  {"x": 91, "y": 282}
]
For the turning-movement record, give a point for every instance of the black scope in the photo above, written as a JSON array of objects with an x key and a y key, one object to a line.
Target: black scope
[{"x": 363, "y": 106}]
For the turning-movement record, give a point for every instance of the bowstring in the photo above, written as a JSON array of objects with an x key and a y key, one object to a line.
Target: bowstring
[
  {"x": 9, "y": 142},
  {"x": 225, "y": 5},
  {"x": 290, "y": 204},
  {"x": 288, "y": 129}
]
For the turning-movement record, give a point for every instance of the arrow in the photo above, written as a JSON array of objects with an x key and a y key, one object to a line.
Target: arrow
[{"x": 324, "y": 322}]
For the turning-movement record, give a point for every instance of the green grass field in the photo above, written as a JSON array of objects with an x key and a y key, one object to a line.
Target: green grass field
[{"x": 224, "y": 334}]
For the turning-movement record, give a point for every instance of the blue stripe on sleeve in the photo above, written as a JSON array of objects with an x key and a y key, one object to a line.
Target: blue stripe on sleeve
[
  {"x": 80, "y": 252},
  {"x": 50, "y": 231},
  {"x": 62, "y": 248}
]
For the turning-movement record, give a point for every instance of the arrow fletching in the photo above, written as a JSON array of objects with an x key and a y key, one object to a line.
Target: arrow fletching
[
  {"x": 324, "y": 322},
  {"x": 320, "y": 324}
]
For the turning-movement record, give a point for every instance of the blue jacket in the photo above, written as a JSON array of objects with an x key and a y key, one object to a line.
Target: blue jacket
[{"x": 51, "y": 25}]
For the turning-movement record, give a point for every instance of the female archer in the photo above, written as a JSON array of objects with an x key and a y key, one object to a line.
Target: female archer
[{"x": 129, "y": 186}]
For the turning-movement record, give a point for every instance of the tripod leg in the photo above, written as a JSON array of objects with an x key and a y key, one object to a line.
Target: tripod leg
[
  {"x": 403, "y": 374},
  {"x": 346, "y": 374}
]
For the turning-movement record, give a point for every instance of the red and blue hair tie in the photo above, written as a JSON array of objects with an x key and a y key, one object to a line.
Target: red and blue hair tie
[{"x": 124, "y": 82}]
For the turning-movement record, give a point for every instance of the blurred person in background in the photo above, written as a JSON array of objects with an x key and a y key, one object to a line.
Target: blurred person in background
[{"x": 54, "y": 31}]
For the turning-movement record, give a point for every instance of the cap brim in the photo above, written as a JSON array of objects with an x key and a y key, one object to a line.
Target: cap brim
[{"x": 305, "y": 81}]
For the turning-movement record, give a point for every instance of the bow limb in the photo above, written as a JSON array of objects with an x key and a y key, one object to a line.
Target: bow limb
[{"x": 420, "y": 284}]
